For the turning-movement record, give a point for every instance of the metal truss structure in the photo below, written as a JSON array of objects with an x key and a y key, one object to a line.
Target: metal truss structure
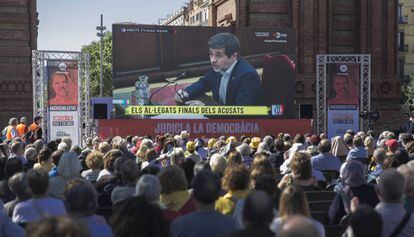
[
  {"x": 40, "y": 87},
  {"x": 364, "y": 60}
]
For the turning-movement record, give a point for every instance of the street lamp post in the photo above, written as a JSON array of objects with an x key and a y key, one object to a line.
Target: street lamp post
[{"x": 101, "y": 34}]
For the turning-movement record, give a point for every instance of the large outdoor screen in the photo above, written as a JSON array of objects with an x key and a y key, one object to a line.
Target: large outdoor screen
[{"x": 162, "y": 53}]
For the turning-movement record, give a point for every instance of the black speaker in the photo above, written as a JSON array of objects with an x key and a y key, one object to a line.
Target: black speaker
[
  {"x": 306, "y": 111},
  {"x": 100, "y": 111}
]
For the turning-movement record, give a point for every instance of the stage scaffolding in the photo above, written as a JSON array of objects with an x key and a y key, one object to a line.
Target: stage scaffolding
[
  {"x": 40, "y": 87},
  {"x": 364, "y": 61}
]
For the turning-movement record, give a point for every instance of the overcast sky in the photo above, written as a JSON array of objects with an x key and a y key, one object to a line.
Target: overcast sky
[{"x": 69, "y": 24}]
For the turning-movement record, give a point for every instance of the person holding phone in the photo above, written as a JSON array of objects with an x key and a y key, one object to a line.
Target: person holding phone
[{"x": 353, "y": 185}]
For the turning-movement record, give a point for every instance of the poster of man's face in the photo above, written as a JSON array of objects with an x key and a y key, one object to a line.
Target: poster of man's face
[
  {"x": 343, "y": 84},
  {"x": 63, "y": 83}
]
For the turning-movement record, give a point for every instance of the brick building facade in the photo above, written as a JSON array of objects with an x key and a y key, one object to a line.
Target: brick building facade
[
  {"x": 330, "y": 26},
  {"x": 198, "y": 12},
  {"x": 18, "y": 36},
  {"x": 179, "y": 18}
]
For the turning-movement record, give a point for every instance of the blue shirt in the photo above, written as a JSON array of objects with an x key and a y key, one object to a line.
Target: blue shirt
[
  {"x": 33, "y": 209},
  {"x": 318, "y": 175},
  {"x": 21, "y": 158},
  {"x": 202, "y": 152},
  {"x": 203, "y": 224},
  {"x": 247, "y": 160},
  {"x": 392, "y": 214},
  {"x": 378, "y": 170},
  {"x": 326, "y": 161},
  {"x": 224, "y": 83},
  {"x": 357, "y": 152},
  {"x": 9, "y": 228},
  {"x": 53, "y": 172},
  {"x": 97, "y": 229}
]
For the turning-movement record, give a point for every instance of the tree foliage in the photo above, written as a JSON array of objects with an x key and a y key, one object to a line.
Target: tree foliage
[
  {"x": 94, "y": 52},
  {"x": 408, "y": 94}
]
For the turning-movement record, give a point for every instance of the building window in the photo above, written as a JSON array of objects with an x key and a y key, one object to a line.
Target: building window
[
  {"x": 402, "y": 47},
  {"x": 399, "y": 10}
]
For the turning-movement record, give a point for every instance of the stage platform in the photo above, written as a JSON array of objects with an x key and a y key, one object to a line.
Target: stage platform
[{"x": 208, "y": 128}]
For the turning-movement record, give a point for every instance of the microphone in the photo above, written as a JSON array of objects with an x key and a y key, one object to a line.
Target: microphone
[
  {"x": 179, "y": 77},
  {"x": 169, "y": 82}
]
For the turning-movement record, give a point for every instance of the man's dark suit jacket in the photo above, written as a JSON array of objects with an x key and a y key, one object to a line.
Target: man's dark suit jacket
[{"x": 244, "y": 86}]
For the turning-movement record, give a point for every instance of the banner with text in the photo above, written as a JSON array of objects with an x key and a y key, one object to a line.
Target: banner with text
[
  {"x": 202, "y": 127},
  {"x": 64, "y": 124},
  {"x": 63, "y": 114},
  {"x": 343, "y": 99},
  {"x": 198, "y": 110},
  {"x": 342, "y": 118}
]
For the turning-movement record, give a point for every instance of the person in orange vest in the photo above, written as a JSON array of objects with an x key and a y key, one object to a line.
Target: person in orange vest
[
  {"x": 21, "y": 128},
  {"x": 35, "y": 130},
  {"x": 11, "y": 129}
]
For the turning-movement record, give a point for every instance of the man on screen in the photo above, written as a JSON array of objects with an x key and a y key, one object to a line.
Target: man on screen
[
  {"x": 343, "y": 90},
  {"x": 232, "y": 80},
  {"x": 60, "y": 92}
]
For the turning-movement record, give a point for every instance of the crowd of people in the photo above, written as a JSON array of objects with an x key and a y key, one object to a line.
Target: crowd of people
[{"x": 175, "y": 185}]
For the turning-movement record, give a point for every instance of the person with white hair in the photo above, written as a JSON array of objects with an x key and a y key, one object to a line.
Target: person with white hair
[
  {"x": 122, "y": 144},
  {"x": 10, "y": 131},
  {"x": 269, "y": 141},
  {"x": 147, "y": 142},
  {"x": 95, "y": 143},
  {"x": 179, "y": 141},
  {"x": 39, "y": 145},
  {"x": 30, "y": 153},
  {"x": 296, "y": 146},
  {"x": 104, "y": 148},
  {"x": 115, "y": 140},
  {"x": 129, "y": 175},
  {"x": 390, "y": 191},
  {"x": 177, "y": 156},
  {"x": 263, "y": 148},
  {"x": 63, "y": 146},
  {"x": 81, "y": 201},
  {"x": 361, "y": 134},
  {"x": 68, "y": 142},
  {"x": 17, "y": 152},
  {"x": 218, "y": 164},
  {"x": 381, "y": 138},
  {"x": 185, "y": 136},
  {"x": 89, "y": 145},
  {"x": 40, "y": 205},
  {"x": 68, "y": 169},
  {"x": 298, "y": 225},
  {"x": 378, "y": 157},
  {"x": 149, "y": 186},
  {"x": 245, "y": 151},
  {"x": 407, "y": 170},
  {"x": 19, "y": 186}
]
